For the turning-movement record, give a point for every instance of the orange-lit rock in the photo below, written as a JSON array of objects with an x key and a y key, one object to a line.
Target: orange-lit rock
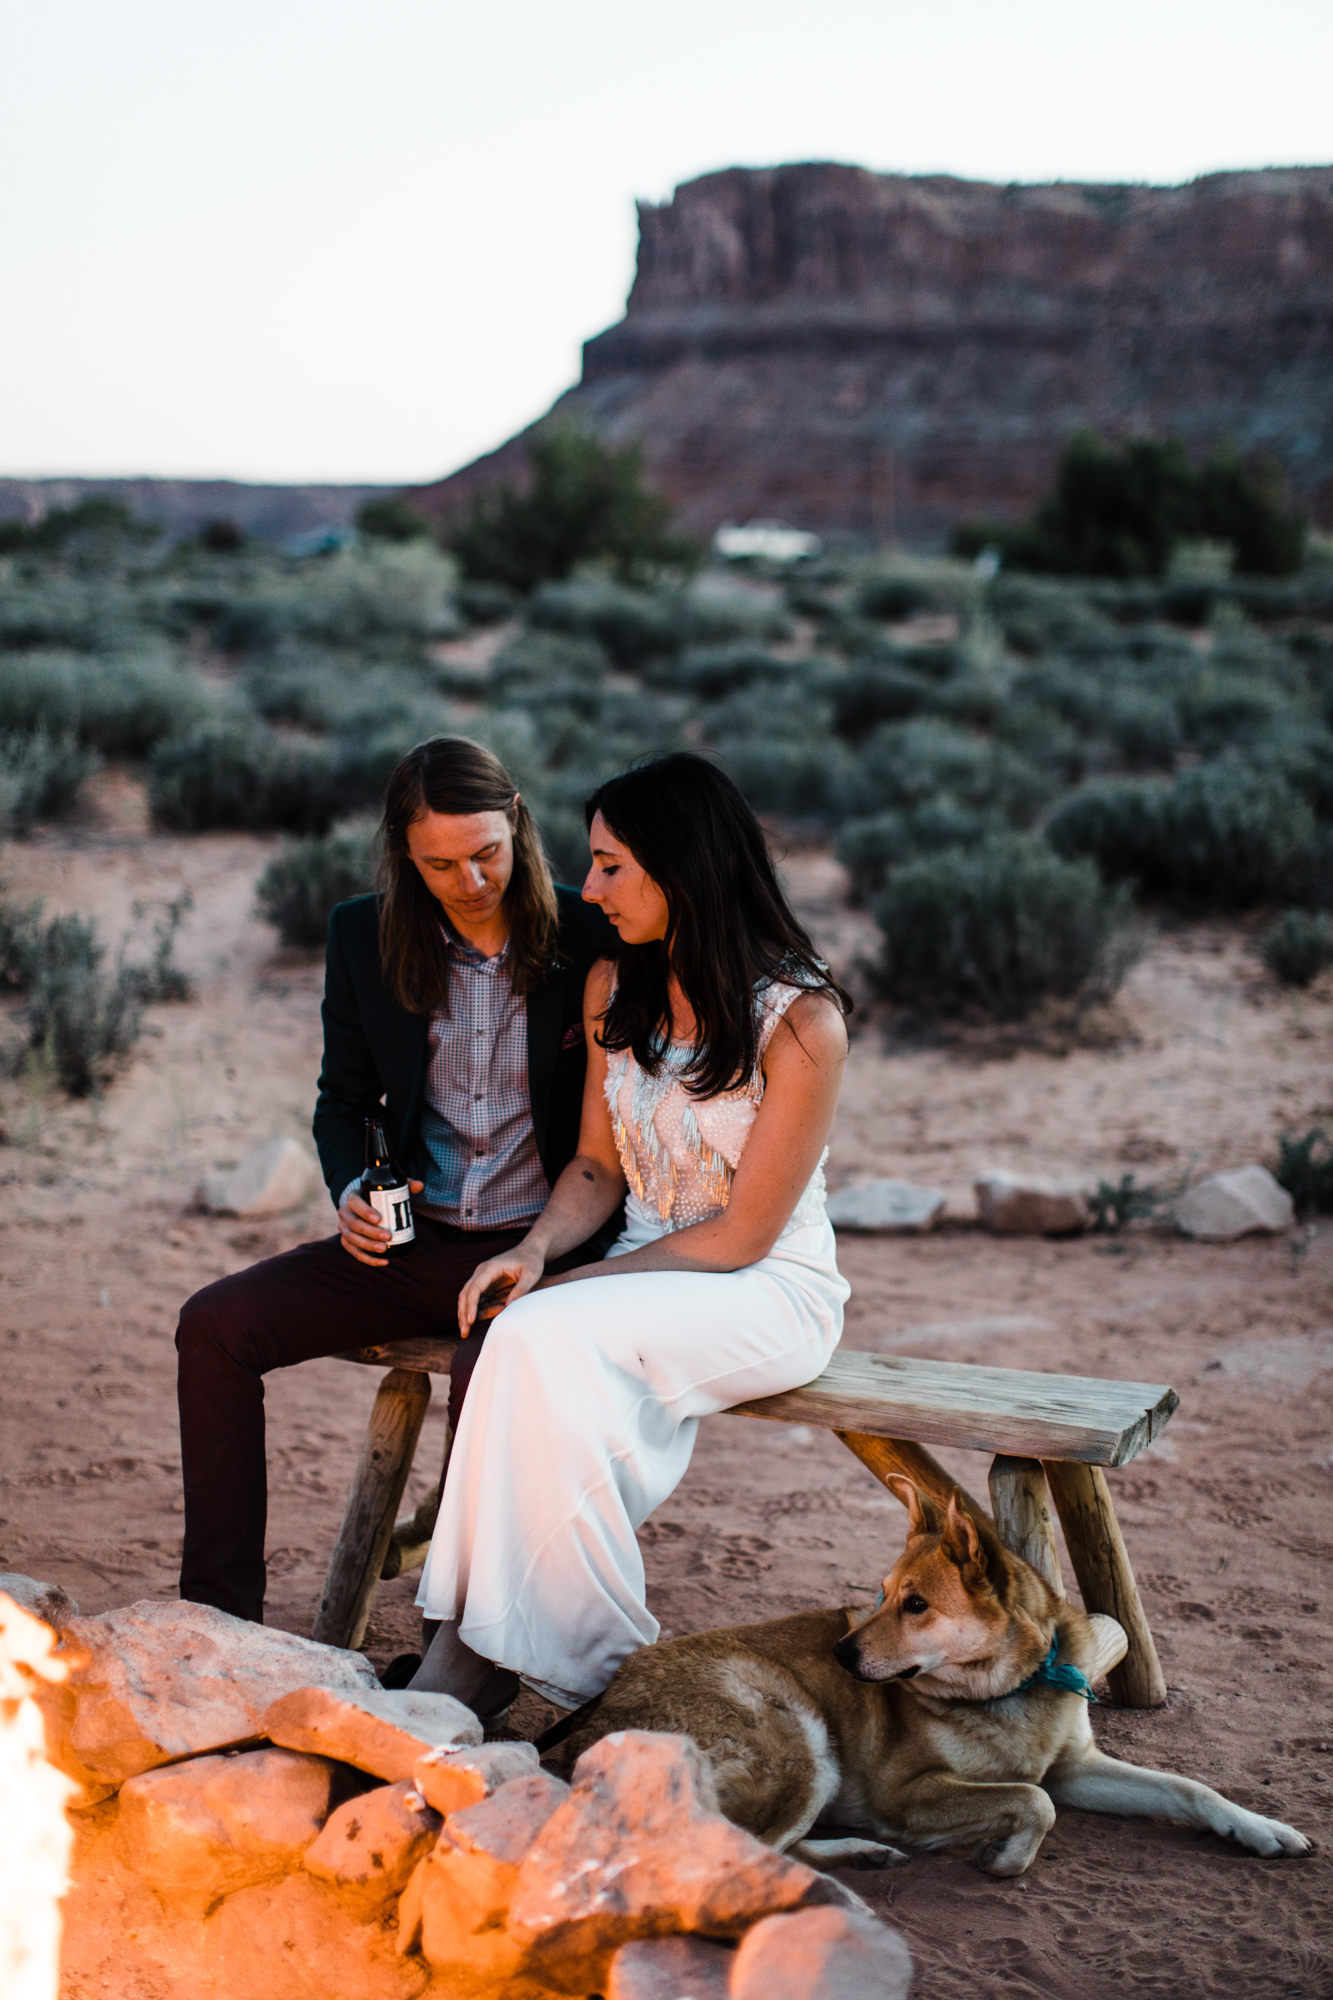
[
  {"x": 639, "y": 1850},
  {"x": 162, "y": 1681},
  {"x": 371, "y": 1845},
  {"x": 677, "y": 1968},
  {"x": 212, "y": 1825},
  {"x": 458, "y": 1775},
  {"x": 380, "y": 1730},
  {"x": 457, "y": 1903},
  {"x": 821, "y": 1955}
]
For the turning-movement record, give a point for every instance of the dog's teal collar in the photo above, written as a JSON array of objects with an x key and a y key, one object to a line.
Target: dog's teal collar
[{"x": 1061, "y": 1675}]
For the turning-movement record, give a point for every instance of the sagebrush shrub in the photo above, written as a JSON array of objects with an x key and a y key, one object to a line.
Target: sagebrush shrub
[
  {"x": 711, "y": 672},
  {"x": 1220, "y": 834},
  {"x": 40, "y": 778},
  {"x": 1001, "y": 927},
  {"x": 1299, "y": 946},
  {"x": 906, "y": 763},
  {"x": 1305, "y": 1170},
  {"x": 870, "y": 848},
  {"x": 233, "y": 777},
  {"x": 890, "y": 598},
  {"x": 299, "y": 889}
]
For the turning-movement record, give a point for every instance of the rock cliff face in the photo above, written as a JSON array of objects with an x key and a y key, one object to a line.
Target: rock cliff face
[{"x": 880, "y": 355}]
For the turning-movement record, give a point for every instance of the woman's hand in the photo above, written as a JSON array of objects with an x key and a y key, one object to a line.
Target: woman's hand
[
  {"x": 363, "y": 1234},
  {"x": 497, "y": 1283}
]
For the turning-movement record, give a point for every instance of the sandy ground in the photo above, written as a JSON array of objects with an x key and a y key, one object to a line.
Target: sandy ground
[{"x": 1228, "y": 1518}]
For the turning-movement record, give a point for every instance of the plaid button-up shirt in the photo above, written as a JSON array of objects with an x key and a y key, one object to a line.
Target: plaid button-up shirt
[{"x": 485, "y": 1171}]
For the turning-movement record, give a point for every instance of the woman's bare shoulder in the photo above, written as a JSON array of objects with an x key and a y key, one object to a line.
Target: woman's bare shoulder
[
  {"x": 601, "y": 979},
  {"x": 814, "y": 1021}
]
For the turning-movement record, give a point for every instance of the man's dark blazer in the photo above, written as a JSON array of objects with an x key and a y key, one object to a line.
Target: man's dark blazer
[{"x": 375, "y": 1051}]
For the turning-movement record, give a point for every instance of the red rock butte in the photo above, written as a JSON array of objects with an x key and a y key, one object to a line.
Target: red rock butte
[{"x": 883, "y": 356}]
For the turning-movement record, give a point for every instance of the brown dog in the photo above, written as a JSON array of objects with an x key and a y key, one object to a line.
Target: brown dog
[{"x": 946, "y": 1718}]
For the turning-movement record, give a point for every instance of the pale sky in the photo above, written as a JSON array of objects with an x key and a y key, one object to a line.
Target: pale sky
[{"x": 281, "y": 239}]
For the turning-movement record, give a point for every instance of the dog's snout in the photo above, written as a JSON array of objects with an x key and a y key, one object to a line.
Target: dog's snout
[{"x": 847, "y": 1653}]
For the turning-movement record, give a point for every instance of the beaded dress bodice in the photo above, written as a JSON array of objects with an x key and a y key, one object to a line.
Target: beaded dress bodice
[{"x": 680, "y": 1152}]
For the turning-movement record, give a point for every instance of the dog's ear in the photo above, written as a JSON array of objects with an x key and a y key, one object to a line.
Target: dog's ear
[
  {"x": 923, "y": 1517},
  {"x": 968, "y": 1542}
]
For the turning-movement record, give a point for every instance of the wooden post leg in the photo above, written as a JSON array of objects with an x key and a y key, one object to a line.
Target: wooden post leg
[
  {"x": 911, "y": 1461},
  {"x": 1101, "y": 1564},
  {"x": 410, "y": 1541},
  {"x": 1022, "y": 1508},
  {"x": 377, "y": 1487}
]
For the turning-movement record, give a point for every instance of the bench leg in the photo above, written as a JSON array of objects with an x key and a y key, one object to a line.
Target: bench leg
[
  {"x": 1022, "y": 1508},
  {"x": 886, "y": 1456},
  {"x": 1101, "y": 1564},
  {"x": 372, "y": 1504},
  {"x": 409, "y": 1543}
]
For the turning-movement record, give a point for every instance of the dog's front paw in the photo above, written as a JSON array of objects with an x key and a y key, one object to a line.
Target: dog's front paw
[
  {"x": 1266, "y": 1836},
  {"x": 852, "y": 1852}
]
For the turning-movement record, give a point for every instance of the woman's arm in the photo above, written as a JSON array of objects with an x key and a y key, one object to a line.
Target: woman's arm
[
  {"x": 802, "y": 1078},
  {"x": 587, "y": 1192}
]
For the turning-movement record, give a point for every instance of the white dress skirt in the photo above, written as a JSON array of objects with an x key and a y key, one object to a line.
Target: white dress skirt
[{"x": 582, "y": 1412}]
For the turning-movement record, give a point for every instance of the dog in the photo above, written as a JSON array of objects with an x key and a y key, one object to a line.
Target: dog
[{"x": 952, "y": 1716}]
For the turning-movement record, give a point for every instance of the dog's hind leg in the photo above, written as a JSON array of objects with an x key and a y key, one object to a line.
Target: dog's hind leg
[
  {"x": 851, "y": 1852},
  {"x": 1097, "y": 1783}
]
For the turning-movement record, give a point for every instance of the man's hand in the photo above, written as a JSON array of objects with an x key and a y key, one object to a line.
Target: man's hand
[
  {"x": 363, "y": 1234},
  {"x": 496, "y": 1284}
]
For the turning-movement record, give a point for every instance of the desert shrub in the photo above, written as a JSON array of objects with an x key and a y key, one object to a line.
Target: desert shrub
[
  {"x": 584, "y": 500},
  {"x": 889, "y": 598},
  {"x": 1298, "y": 947},
  {"x": 1123, "y": 511},
  {"x": 866, "y": 696},
  {"x": 871, "y": 847},
  {"x": 80, "y": 1019},
  {"x": 119, "y": 706},
  {"x": 230, "y": 775},
  {"x": 1305, "y": 1170},
  {"x": 711, "y": 672},
  {"x": 298, "y": 890},
  {"x": 40, "y": 778},
  {"x": 1220, "y": 834},
  {"x": 20, "y": 943},
  {"x": 486, "y": 603},
  {"x": 160, "y": 979},
  {"x": 391, "y": 519},
  {"x": 631, "y": 625},
  {"x": 42, "y": 610},
  {"x": 1146, "y": 731},
  {"x": 805, "y": 777},
  {"x": 1036, "y": 617},
  {"x": 1226, "y": 709},
  {"x": 1001, "y": 926},
  {"x": 906, "y": 763},
  {"x": 536, "y": 660}
]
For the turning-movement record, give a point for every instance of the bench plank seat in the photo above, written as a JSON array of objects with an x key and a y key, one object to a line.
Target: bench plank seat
[{"x": 1010, "y": 1410}]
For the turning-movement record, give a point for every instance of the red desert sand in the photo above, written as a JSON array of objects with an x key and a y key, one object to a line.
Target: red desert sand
[{"x": 1227, "y": 1517}]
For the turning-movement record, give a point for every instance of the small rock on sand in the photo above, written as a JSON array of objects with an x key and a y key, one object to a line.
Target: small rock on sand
[
  {"x": 822, "y": 1955},
  {"x": 46, "y": 1601},
  {"x": 1030, "y": 1205},
  {"x": 1242, "y": 1202},
  {"x": 272, "y": 1179},
  {"x": 886, "y": 1208}
]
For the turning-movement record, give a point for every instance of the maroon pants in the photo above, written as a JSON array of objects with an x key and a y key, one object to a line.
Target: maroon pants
[{"x": 314, "y": 1300}]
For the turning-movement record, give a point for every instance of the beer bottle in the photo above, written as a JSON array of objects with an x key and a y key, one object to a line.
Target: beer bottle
[{"x": 387, "y": 1191}]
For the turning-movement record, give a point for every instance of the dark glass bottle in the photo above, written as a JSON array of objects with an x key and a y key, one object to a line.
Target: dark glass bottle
[{"x": 386, "y": 1189}]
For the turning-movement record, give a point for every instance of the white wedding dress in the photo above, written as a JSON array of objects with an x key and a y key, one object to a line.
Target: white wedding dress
[{"x": 583, "y": 1410}]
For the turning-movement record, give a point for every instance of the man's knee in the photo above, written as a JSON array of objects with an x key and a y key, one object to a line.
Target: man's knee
[{"x": 210, "y": 1326}]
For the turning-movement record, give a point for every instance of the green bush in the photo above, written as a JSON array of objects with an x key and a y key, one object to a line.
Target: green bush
[
  {"x": 890, "y": 598},
  {"x": 1036, "y": 617},
  {"x": 537, "y": 660},
  {"x": 233, "y": 776},
  {"x": 1000, "y": 927},
  {"x": 80, "y": 1020},
  {"x": 1123, "y": 512},
  {"x": 806, "y": 778},
  {"x": 585, "y": 500},
  {"x": 712, "y": 672},
  {"x": 298, "y": 890},
  {"x": 632, "y": 625},
  {"x": 1219, "y": 834},
  {"x": 1305, "y": 1170},
  {"x": 906, "y": 763},
  {"x": 866, "y": 696},
  {"x": 1146, "y": 731},
  {"x": 1298, "y": 947},
  {"x": 486, "y": 603},
  {"x": 870, "y": 848},
  {"x": 119, "y": 706},
  {"x": 391, "y": 519},
  {"x": 40, "y": 778}
]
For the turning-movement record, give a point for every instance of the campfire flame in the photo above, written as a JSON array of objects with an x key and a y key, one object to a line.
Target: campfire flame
[{"x": 35, "y": 1835}]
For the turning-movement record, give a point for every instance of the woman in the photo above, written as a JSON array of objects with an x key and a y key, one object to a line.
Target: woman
[{"x": 715, "y": 1052}]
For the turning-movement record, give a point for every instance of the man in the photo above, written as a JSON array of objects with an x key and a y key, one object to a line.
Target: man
[{"x": 453, "y": 1013}]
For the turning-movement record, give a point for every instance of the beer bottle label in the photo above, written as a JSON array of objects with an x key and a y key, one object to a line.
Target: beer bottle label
[{"x": 394, "y": 1209}]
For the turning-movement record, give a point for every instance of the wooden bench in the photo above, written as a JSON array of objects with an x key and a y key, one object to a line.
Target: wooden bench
[{"x": 1049, "y": 1437}]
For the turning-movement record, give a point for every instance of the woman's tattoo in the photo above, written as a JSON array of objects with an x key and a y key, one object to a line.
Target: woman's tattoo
[{"x": 586, "y": 1175}]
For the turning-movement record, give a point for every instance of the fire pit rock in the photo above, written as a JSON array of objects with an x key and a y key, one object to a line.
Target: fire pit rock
[{"x": 165, "y": 1681}]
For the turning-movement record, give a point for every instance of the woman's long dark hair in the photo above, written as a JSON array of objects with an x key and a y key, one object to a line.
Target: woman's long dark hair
[
  {"x": 451, "y": 774},
  {"x": 729, "y": 924}
]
